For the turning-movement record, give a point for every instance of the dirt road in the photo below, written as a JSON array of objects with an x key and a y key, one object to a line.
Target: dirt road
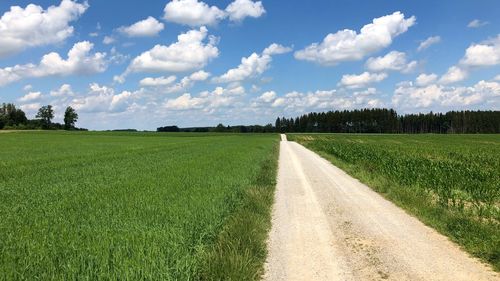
[{"x": 329, "y": 226}]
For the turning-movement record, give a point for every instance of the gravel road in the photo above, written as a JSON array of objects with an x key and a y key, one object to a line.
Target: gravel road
[{"x": 329, "y": 226}]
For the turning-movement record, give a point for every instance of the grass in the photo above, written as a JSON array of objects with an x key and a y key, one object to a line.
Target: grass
[
  {"x": 134, "y": 206},
  {"x": 450, "y": 182}
]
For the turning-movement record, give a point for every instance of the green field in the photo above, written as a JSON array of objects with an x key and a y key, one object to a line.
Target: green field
[
  {"x": 451, "y": 182},
  {"x": 134, "y": 206}
]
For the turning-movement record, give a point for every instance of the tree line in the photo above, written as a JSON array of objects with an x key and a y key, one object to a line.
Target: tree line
[
  {"x": 368, "y": 121},
  {"x": 14, "y": 118},
  {"x": 388, "y": 121}
]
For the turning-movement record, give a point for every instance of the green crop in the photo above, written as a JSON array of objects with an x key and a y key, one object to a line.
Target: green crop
[
  {"x": 125, "y": 206},
  {"x": 451, "y": 182}
]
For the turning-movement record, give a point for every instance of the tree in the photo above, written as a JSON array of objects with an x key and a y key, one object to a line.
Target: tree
[
  {"x": 11, "y": 116},
  {"x": 70, "y": 118},
  {"x": 46, "y": 113}
]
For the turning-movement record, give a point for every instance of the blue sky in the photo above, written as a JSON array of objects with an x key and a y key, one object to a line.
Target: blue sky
[{"x": 131, "y": 64}]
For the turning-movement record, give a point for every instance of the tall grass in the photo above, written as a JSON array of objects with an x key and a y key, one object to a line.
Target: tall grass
[
  {"x": 451, "y": 182},
  {"x": 128, "y": 206}
]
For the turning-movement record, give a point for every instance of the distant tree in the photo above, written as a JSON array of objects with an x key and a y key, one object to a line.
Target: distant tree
[
  {"x": 220, "y": 128},
  {"x": 11, "y": 116},
  {"x": 168, "y": 129},
  {"x": 70, "y": 118},
  {"x": 46, "y": 113}
]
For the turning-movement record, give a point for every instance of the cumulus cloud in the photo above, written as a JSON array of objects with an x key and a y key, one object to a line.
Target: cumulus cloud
[
  {"x": 299, "y": 102},
  {"x": 484, "y": 94},
  {"x": 497, "y": 78},
  {"x": 102, "y": 99},
  {"x": 144, "y": 28},
  {"x": 190, "y": 52},
  {"x": 206, "y": 101},
  {"x": 31, "y": 97},
  {"x": 348, "y": 45},
  {"x": 165, "y": 84},
  {"x": 158, "y": 81},
  {"x": 64, "y": 91},
  {"x": 428, "y": 42},
  {"x": 79, "y": 61},
  {"x": 198, "y": 13},
  {"x": 362, "y": 80},
  {"x": 30, "y": 107},
  {"x": 240, "y": 9},
  {"x": 253, "y": 65},
  {"x": 192, "y": 13},
  {"x": 425, "y": 79},
  {"x": 267, "y": 96},
  {"x": 486, "y": 53},
  {"x": 453, "y": 75},
  {"x": 22, "y": 28},
  {"x": 392, "y": 61},
  {"x": 477, "y": 23}
]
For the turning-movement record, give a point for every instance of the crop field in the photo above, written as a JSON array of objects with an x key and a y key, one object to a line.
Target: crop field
[
  {"x": 451, "y": 182},
  {"x": 134, "y": 206}
]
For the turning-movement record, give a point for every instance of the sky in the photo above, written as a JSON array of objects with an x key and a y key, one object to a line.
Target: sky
[{"x": 145, "y": 64}]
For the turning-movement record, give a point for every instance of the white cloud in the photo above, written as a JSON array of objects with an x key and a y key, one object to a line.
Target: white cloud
[
  {"x": 298, "y": 103},
  {"x": 192, "y": 13},
  {"x": 276, "y": 49},
  {"x": 64, "y": 91},
  {"x": 497, "y": 78},
  {"x": 362, "y": 80},
  {"x": 426, "y": 79},
  {"x": 253, "y": 65},
  {"x": 479, "y": 55},
  {"x": 158, "y": 81},
  {"x": 189, "y": 53},
  {"x": 30, "y": 107},
  {"x": 108, "y": 40},
  {"x": 392, "y": 61},
  {"x": 165, "y": 83},
  {"x": 267, "y": 97},
  {"x": 30, "y": 97},
  {"x": 185, "y": 102},
  {"x": 428, "y": 42},
  {"x": 483, "y": 54},
  {"x": 482, "y": 95},
  {"x": 453, "y": 75},
  {"x": 79, "y": 61},
  {"x": 206, "y": 101},
  {"x": 477, "y": 23},
  {"x": 240, "y": 9},
  {"x": 22, "y": 28},
  {"x": 348, "y": 45},
  {"x": 102, "y": 99},
  {"x": 28, "y": 87},
  {"x": 144, "y": 28},
  {"x": 199, "y": 76}
]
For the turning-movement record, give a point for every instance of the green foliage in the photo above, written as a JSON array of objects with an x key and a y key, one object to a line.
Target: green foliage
[
  {"x": 128, "y": 206},
  {"x": 10, "y": 116},
  {"x": 70, "y": 118},
  {"x": 451, "y": 182},
  {"x": 46, "y": 114}
]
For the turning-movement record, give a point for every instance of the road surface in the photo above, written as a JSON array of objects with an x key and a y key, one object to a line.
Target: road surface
[{"x": 329, "y": 226}]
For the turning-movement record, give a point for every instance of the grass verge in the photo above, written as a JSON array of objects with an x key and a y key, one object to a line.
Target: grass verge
[{"x": 239, "y": 251}]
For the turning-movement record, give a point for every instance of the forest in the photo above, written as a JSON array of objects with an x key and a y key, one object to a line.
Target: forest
[{"x": 388, "y": 121}]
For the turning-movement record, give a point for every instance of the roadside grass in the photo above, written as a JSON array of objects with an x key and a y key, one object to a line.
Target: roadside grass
[
  {"x": 134, "y": 206},
  {"x": 471, "y": 220},
  {"x": 240, "y": 249}
]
